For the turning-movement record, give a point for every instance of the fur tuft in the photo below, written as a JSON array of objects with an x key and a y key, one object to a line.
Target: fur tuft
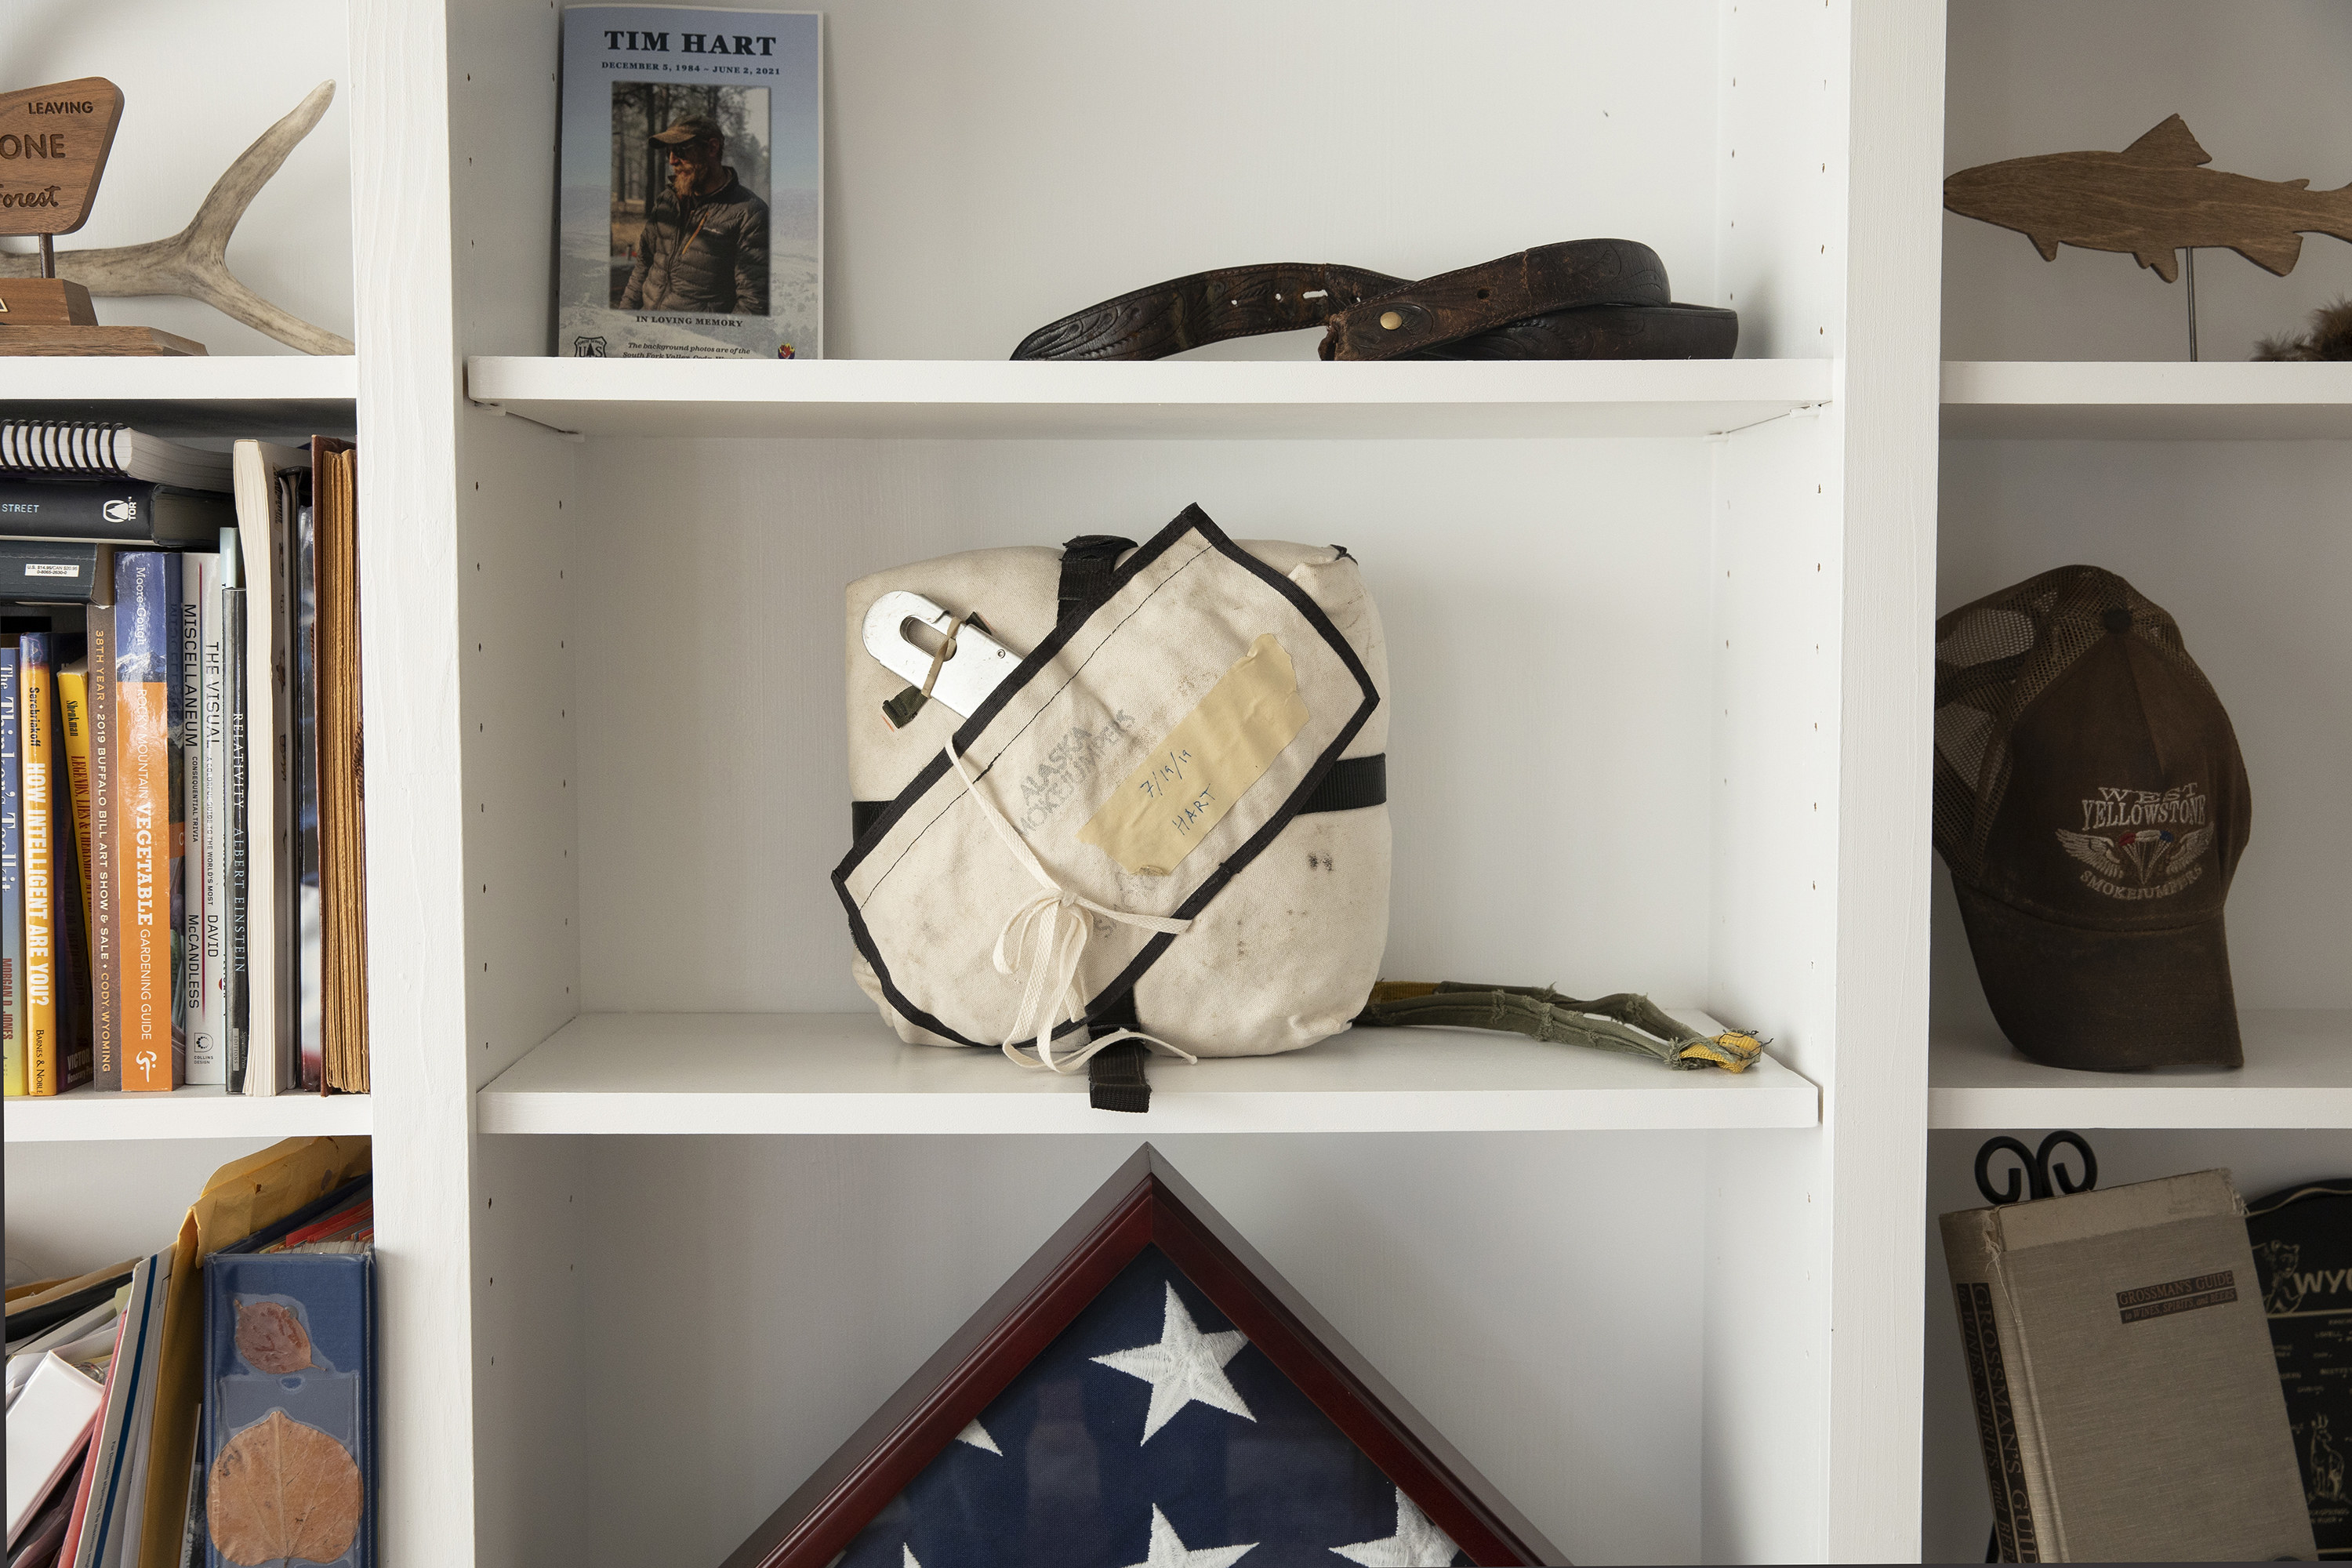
[{"x": 2329, "y": 337}]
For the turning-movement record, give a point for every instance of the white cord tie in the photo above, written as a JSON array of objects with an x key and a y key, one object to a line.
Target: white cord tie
[{"x": 1047, "y": 937}]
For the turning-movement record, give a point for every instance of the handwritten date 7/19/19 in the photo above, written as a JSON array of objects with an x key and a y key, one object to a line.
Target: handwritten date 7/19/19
[{"x": 1168, "y": 781}]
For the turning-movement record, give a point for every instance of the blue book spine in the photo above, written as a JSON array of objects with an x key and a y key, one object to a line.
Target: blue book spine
[
  {"x": 12, "y": 883},
  {"x": 289, "y": 1367}
]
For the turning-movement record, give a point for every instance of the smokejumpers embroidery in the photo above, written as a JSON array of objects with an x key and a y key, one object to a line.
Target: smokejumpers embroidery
[{"x": 2157, "y": 848}]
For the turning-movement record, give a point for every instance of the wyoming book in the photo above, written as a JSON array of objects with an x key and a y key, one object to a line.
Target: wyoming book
[{"x": 691, "y": 192}]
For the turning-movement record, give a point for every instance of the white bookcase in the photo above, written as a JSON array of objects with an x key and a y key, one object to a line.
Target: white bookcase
[{"x": 664, "y": 1213}]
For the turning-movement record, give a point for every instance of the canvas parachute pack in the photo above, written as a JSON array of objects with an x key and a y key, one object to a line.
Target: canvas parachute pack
[{"x": 1138, "y": 802}]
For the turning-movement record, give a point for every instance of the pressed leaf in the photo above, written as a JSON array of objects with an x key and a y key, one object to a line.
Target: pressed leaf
[
  {"x": 271, "y": 1338},
  {"x": 283, "y": 1491}
]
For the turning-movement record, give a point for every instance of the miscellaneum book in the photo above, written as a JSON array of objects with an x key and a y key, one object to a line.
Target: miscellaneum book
[{"x": 691, "y": 193}]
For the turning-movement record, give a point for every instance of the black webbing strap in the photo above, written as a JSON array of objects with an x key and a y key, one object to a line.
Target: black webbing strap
[
  {"x": 1115, "y": 1079},
  {"x": 1086, "y": 564}
]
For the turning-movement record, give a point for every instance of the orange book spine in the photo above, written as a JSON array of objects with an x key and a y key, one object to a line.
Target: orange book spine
[{"x": 146, "y": 595}]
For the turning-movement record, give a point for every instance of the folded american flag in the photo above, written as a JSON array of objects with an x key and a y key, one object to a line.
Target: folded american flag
[{"x": 1151, "y": 1434}]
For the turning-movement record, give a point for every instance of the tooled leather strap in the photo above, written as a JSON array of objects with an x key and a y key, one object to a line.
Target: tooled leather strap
[
  {"x": 1205, "y": 308},
  {"x": 1570, "y": 276},
  {"x": 1446, "y": 316}
]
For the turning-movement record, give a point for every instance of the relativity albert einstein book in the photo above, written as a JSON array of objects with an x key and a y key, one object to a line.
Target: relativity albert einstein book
[{"x": 691, "y": 221}]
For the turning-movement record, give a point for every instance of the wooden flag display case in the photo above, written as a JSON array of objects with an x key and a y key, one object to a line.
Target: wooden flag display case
[{"x": 1321, "y": 1447}]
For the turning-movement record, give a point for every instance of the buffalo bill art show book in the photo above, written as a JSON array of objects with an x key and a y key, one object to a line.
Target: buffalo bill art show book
[{"x": 692, "y": 221}]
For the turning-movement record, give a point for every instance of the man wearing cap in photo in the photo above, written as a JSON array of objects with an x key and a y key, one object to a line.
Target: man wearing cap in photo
[{"x": 705, "y": 244}]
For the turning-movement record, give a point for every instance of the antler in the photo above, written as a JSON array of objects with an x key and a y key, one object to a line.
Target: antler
[{"x": 194, "y": 262}]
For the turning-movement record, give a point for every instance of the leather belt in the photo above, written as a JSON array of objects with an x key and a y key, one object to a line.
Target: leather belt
[{"x": 1583, "y": 299}]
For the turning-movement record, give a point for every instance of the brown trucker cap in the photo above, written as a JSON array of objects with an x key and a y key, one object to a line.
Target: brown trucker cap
[
  {"x": 2092, "y": 806},
  {"x": 692, "y": 128}
]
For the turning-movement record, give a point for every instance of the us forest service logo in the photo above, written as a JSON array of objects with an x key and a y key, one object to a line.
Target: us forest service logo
[
  {"x": 2141, "y": 844},
  {"x": 588, "y": 348}
]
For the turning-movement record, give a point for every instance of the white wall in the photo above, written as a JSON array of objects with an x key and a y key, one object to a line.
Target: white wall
[
  {"x": 73, "y": 1207},
  {"x": 200, "y": 79}
]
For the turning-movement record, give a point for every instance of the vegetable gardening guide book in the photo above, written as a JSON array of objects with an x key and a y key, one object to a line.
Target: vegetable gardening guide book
[{"x": 692, "y": 211}]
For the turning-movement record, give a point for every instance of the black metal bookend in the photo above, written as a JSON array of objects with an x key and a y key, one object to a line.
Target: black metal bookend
[{"x": 2037, "y": 1177}]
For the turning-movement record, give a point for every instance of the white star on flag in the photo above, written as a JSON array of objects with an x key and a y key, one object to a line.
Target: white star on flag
[
  {"x": 1184, "y": 1366},
  {"x": 906, "y": 1556},
  {"x": 977, "y": 1436},
  {"x": 1168, "y": 1550},
  {"x": 1417, "y": 1543}
]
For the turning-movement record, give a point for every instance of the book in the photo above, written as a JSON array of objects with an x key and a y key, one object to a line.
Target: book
[
  {"x": 342, "y": 795},
  {"x": 68, "y": 902},
  {"x": 308, "y": 929},
  {"x": 122, "y": 512},
  {"x": 271, "y": 482},
  {"x": 2301, "y": 1238},
  {"x": 48, "y": 1426},
  {"x": 106, "y": 1524},
  {"x": 236, "y": 1001},
  {"x": 105, "y": 959},
  {"x": 19, "y": 1079},
  {"x": 45, "y": 1050},
  {"x": 144, "y": 806},
  {"x": 289, "y": 1370},
  {"x": 2127, "y": 1399},
  {"x": 73, "y": 713},
  {"x": 239, "y": 1198},
  {"x": 691, "y": 223},
  {"x": 199, "y": 1022},
  {"x": 47, "y": 570},
  {"x": 110, "y": 449}
]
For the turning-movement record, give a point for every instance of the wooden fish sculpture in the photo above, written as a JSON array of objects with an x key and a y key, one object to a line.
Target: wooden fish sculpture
[{"x": 2149, "y": 201}]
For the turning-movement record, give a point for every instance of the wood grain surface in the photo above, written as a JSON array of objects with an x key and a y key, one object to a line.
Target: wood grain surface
[
  {"x": 67, "y": 340},
  {"x": 45, "y": 302},
  {"x": 2151, "y": 201},
  {"x": 53, "y": 145}
]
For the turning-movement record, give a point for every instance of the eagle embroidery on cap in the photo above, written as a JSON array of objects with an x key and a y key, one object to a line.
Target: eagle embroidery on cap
[{"x": 2164, "y": 833}]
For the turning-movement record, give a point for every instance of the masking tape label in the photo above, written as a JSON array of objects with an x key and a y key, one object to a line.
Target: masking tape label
[{"x": 1197, "y": 772}]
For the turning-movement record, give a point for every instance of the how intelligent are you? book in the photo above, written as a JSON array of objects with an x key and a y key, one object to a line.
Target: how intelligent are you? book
[{"x": 692, "y": 199}]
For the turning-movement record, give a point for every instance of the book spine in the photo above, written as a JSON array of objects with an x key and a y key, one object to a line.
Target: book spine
[
  {"x": 119, "y": 509},
  {"x": 44, "y": 1048},
  {"x": 69, "y": 912},
  {"x": 197, "y": 1026},
  {"x": 212, "y": 790},
  {"x": 105, "y": 971},
  {"x": 20, "y": 1080},
  {"x": 309, "y": 923},
  {"x": 73, "y": 713},
  {"x": 146, "y": 678},
  {"x": 2005, "y": 1428},
  {"x": 237, "y": 999}
]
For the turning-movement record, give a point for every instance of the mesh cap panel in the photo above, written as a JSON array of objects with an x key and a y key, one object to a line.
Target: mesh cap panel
[{"x": 1993, "y": 658}]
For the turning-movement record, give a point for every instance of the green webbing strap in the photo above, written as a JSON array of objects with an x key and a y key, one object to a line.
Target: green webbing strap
[{"x": 1624, "y": 1022}]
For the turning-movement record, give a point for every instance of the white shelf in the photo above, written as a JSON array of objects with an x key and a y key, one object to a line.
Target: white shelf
[
  {"x": 234, "y": 395},
  {"x": 2132, "y": 401},
  {"x": 2298, "y": 1073},
  {"x": 86, "y": 1116},
  {"x": 843, "y": 1073},
  {"x": 1288, "y": 400}
]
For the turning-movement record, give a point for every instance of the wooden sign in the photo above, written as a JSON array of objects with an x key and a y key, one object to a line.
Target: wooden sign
[
  {"x": 2151, "y": 201},
  {"x": 53, "y": 145}
]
